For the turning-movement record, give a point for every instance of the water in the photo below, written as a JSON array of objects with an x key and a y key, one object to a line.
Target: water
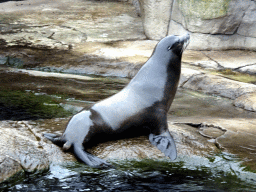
[{"x": 223, "y": 173}]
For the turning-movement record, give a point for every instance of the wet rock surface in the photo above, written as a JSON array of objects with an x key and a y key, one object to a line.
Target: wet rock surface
[
  {"x": 235, "y": 135},
  {"x": 246, "y": 101},
  {"x": 89, "y": 38},
  {"x": 212, "y": 84},
  {"x": 23, "y": 150}
]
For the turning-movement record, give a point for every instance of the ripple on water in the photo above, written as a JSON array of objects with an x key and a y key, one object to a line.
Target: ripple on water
[{"x": 219, "y": 173}]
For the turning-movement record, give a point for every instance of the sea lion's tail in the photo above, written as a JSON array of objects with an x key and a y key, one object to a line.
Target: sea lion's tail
[
  {"x": 164, "y": 143},
  {"x": 89, "y": 159}
]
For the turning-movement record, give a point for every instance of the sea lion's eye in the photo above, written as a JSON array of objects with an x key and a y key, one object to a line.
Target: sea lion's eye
[{"x": 169, "y": 48}]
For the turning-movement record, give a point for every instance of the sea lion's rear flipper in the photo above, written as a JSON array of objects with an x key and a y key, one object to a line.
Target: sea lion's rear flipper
[
  {"x": 89, "y": 159},
  {"x": 56, "y": 139},
  {"x": 164, "y": 143}
]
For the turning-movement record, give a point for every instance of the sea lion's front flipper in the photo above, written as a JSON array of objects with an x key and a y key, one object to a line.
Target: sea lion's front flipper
[
  {"x": 89, "y": 159},
  {"x": 165, "y": 143},
  {"x": 56, "y": 139}
]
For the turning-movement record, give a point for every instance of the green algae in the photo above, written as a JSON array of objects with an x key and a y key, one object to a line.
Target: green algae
[
  {"x": 27, "y": 105},
  {"x": 204, "y": 9},
  {"x": 242, "y": 77}
]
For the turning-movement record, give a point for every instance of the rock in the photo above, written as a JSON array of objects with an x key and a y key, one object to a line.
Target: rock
[
  {"x": 218, "y": 85},
  {"x": 113, "y": 28},
  {"x": 221, "y": 24},
  {"x": 240, "y": 130},
  {"x": 136, "y": 4},
  {"x": 251, "y": 69},
  {"x": 232, "y": 59},
  {"x": 189, "y": 142},
  {"x": 156, "y": 17},
  {"x": 40, "y": 28},
  {"x": 237, "y": 60},
  {"x": 200, "y": 59},
  {"x": 244, "y": 145},
  {"x": 186, "y": 74},
  {"x": 200, "y": 41},
  {"x": 187, "y": 139},
  {"x": 215, "y": 24},
  {"x": 211, "y": 17},
  {"x": 3, "y": 60},
  {"x": 131, "y": 148},
  {"x": 246, "y": 101},
  {"x": 23, "y": 150},
  {"x": 126, "y": 49},
  {"x": 51, "y": 37},
  {"x": 248, "y": 25},
  {"x": 31, "y": 39},
  {"x": 9, "y": 167}
]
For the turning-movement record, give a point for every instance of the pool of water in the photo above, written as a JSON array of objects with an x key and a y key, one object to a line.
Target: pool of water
[{"x": 222, "y": 173}]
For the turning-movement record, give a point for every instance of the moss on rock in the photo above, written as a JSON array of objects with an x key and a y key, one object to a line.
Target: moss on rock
[
  {"x": 19, "y": 105},
  {"x": 204, "y": 9}
]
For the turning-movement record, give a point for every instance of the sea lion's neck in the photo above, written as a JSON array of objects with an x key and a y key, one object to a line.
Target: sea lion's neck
[
  {"x": 150, "y": 80},
  {"x": 173, "y": 77},
  {"x": 158, "y": 80}
]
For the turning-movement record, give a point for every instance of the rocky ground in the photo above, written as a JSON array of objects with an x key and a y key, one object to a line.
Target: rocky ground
[{"x": 107, "y": 38}]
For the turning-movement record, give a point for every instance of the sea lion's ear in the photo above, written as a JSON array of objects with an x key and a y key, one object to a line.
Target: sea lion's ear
[
  {"x": 174, "y": 46},
  {"x": 165, "y": 144},
  {"x": 179, "y": 44}
]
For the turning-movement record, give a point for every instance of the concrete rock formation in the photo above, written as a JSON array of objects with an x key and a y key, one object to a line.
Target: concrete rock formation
[
  {"x": 156, "y": 17},
  {"x": 213, "y": 24},
  {"x": 23, "y": 150}
]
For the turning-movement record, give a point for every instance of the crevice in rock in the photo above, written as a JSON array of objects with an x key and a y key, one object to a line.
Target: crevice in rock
[
  {"x": 203, "y": 125},
  {"x": 235, "y": 32},
  {"x": 50, "y": 37},
  {"x": 242, "y": 21},
  {"x": 215, "y": 34},
  {"x": 190, "y": 78},
  {"x": 72, "y": 28},
  {"x": 190, "y": 32},
  {"x": 218, "y": 64},
  {"x": 244, "y": 66},
  {"x": 170, "y": 17},
  {"x": 23, "y": 168},
  {"x": 218, "y": 145}
]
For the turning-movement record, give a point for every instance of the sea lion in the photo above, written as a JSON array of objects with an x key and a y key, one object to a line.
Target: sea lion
[{"x": 140, "y": 108}]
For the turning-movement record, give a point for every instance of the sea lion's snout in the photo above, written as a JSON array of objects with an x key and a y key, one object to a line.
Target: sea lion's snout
[{"x": 184, "y": 41}]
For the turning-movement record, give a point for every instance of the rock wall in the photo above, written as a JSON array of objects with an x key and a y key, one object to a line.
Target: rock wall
[
  {"x": 213, "y": 24},
  {"x": 156, "y": 17}
]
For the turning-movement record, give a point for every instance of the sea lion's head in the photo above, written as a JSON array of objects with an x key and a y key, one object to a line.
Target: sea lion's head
[{"x": 171, "y": 46}]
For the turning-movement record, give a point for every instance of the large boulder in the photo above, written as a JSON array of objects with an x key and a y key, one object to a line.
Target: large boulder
[
  {"x": 209, "y": 17},
  {"x": 221, "y": 24},
  {"x": 213, "y": 24},
  {"x": 23, "y": 150}
]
